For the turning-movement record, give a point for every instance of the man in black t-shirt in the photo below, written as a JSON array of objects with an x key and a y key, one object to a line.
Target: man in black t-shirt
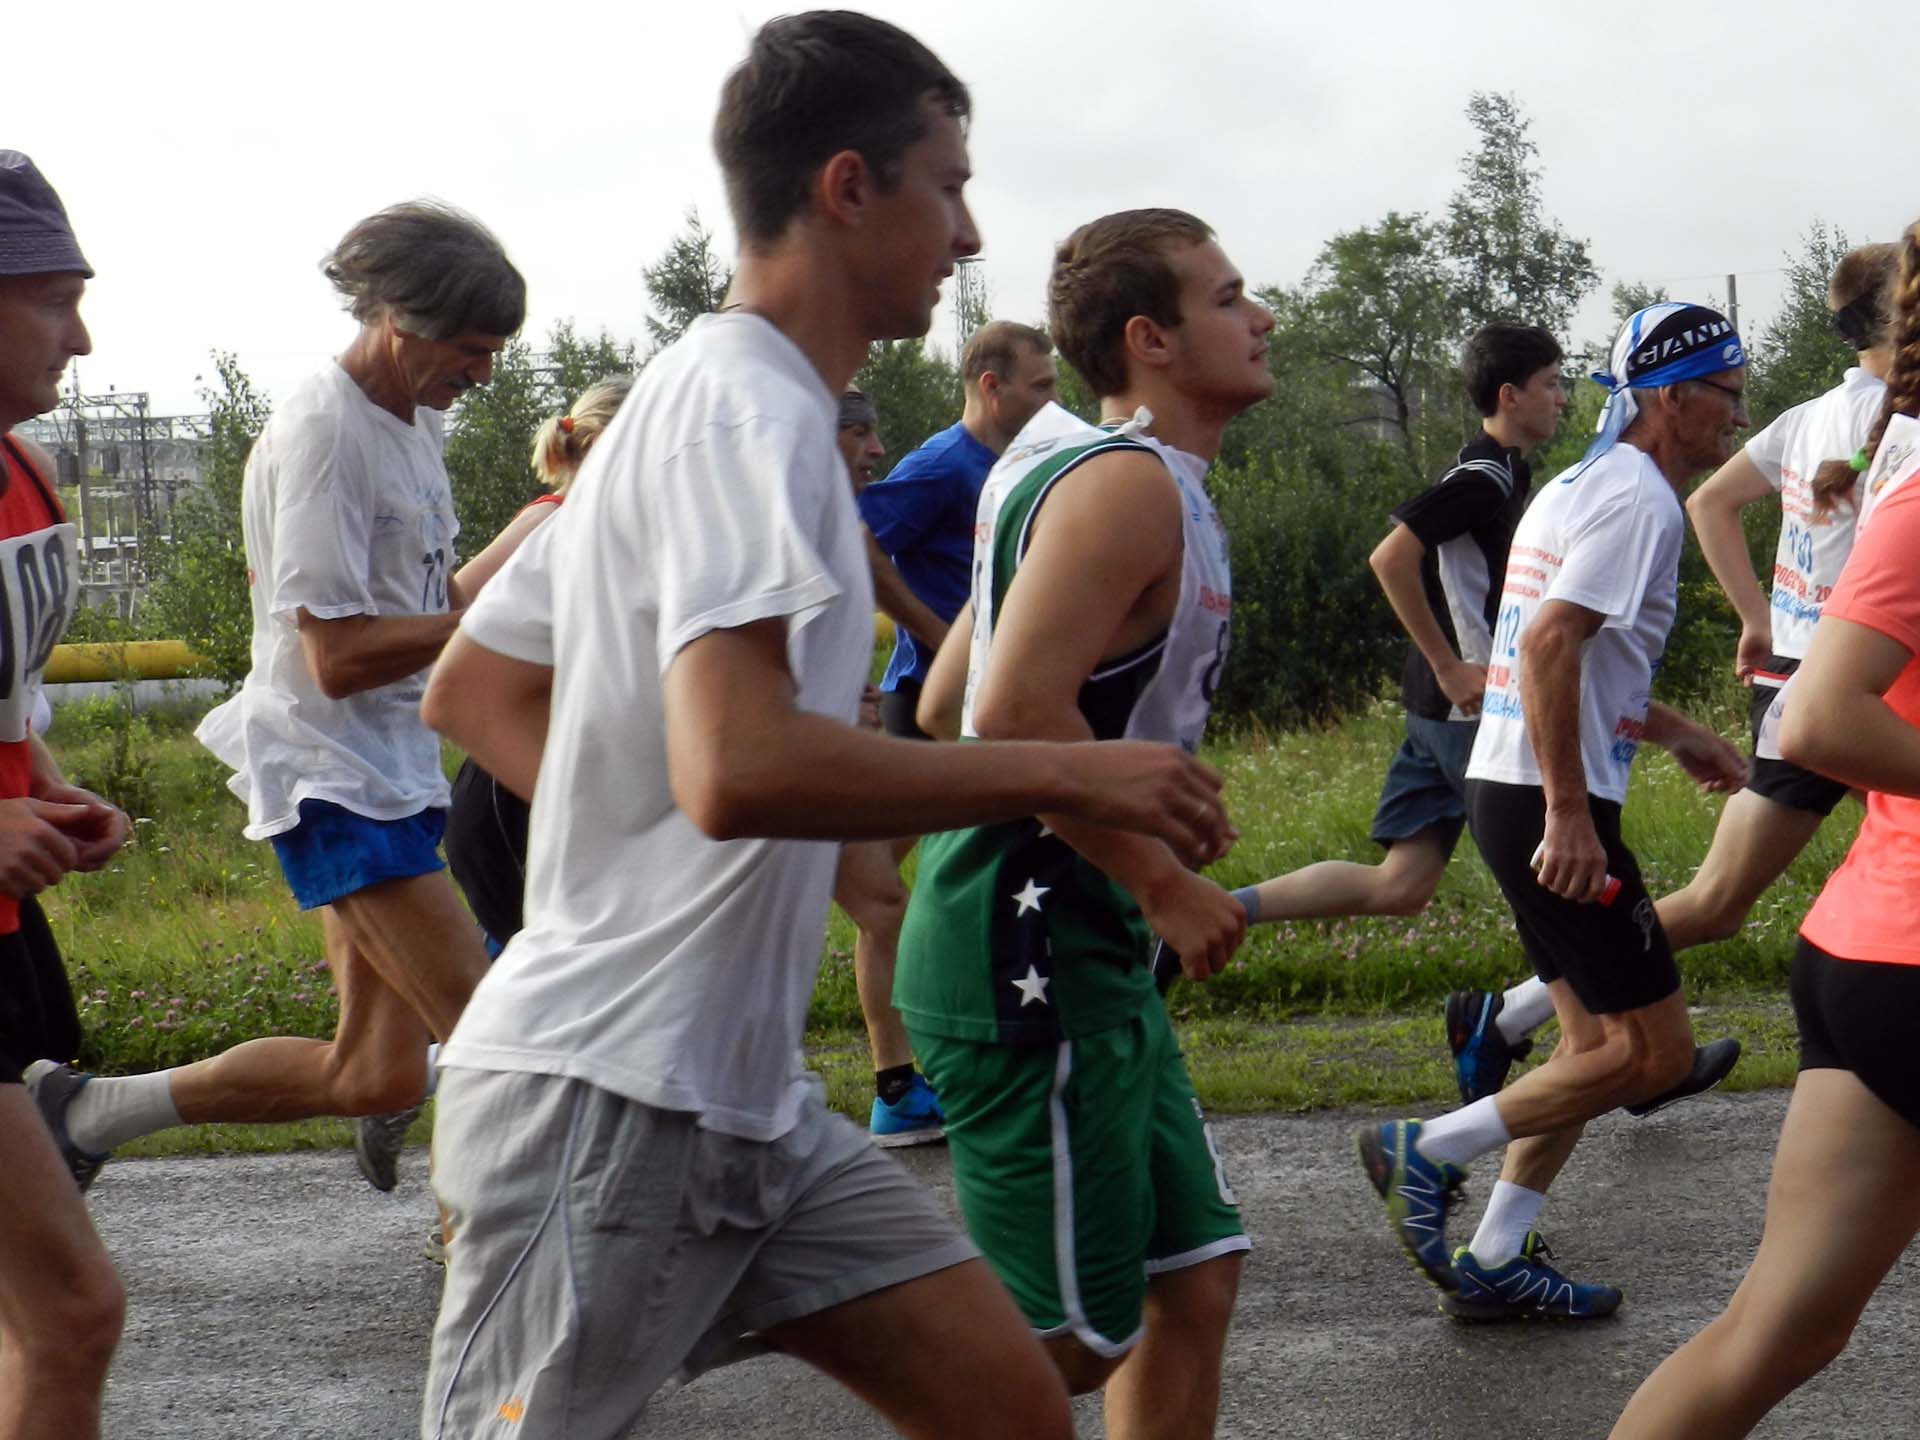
[{"x": 1441, "y": 567}]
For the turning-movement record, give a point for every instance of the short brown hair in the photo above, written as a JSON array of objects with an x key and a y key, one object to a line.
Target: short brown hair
[
  {"x": 436, "y": 270},
  {"x": 996, "y": 346},
  {"x": 1107, "y": 272},
  {"x": 811, "y": 86},
  {"x": 1858, "y": 293}
]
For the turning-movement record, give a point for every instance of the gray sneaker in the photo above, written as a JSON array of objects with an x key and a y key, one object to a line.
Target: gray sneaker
[
  {"x": 377, "y": 1140},
  {"x": 53, "y": 1086},
  {"x": 435, "y": 1248}
]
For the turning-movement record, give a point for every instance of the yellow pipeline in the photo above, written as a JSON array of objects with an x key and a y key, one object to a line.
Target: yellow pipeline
[
  {"x": 136, "y": 659},
  {"x": 175, "y": 659}
]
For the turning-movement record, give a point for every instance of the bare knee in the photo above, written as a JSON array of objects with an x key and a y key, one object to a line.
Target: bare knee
[
  {"x": 1785, "y": 1349},
  {"x": 76, "y": 1322},
  {"x": 1196, "y": 1302}
]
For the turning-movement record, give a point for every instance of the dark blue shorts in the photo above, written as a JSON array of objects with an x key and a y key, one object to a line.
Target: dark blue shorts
[
  {"x": 333, "y": 852},
  {"x": 1426, "y": 785}
]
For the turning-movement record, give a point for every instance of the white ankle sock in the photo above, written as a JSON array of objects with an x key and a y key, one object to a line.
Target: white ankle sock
[
  {"x": 433, "y": 1070},
  {"x": 108, "y": 1113},
  {"x": 1503, "y": 1229},
  {"x": 1528, "y": 1006},
  {"x": 1461, "y": 1135}
]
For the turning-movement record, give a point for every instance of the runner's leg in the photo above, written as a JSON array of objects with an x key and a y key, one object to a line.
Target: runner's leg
[
  {"x": 1752, "y": 846},
  {"x": 1844, "y": 1203},
  {"x": 61, "y": 1305},
  {"x": 1401, "y": 884},
  {"x": 1168, "y": 1387}
]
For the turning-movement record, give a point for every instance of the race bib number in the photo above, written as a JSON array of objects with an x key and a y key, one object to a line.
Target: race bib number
[{"x": 38, "y": 592}]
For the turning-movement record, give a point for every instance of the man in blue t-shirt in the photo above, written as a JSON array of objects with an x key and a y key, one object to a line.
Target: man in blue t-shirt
[{"x": 922, "y": 513}]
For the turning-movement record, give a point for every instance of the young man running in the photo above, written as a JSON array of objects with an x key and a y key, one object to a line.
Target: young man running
[
  {"x": 61, "y": 1304},
  {"x": 1440, "y": 567},
  {"x": 1589, "y": 597},
  {"x": 349, "y": 532},
  {"x": 638, "y": 1171},
  {"x": 1099, "y": 609},
  {"x": 1764, "y": 826}
]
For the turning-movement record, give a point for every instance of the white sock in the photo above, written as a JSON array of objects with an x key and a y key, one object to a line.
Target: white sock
[
  {"x": 1464, "y": 1134},
  {"x": 1528, "y": 1006},
  {"x": 1503, "y": 1229},
  {"x": 108, "y": 1113},
  {"x": 433, "y": 1070}
]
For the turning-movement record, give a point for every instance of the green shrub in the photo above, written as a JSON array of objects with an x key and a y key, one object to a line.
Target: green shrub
[{"x": 1313, "y": 638}]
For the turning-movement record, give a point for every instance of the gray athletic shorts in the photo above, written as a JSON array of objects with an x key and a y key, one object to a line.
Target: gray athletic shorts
[{"x": 600, "y": 1246}]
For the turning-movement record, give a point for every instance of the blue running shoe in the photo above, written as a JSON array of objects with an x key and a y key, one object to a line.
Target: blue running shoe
[
  {"x": 1525, "y": 1287},
  {"x": 914, "y": 1119},
  {"x": 1418, "y": 1193},
  {"x": 1481, "y": 1055},
  {"x": 52, "y": 1087}
]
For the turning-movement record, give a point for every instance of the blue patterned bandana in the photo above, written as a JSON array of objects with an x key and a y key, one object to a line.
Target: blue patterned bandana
[{"x": 1661, "y": 345}]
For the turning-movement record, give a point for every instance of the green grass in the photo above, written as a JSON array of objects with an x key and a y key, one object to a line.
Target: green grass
[{"x": 189, "y": 942}]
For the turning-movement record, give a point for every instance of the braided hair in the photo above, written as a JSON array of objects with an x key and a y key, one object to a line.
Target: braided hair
[{"x": 1835, "y": 480}]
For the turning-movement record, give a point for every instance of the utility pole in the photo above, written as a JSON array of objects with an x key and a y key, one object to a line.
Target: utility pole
[
  {"x": 969, "y": 301},
  {"x": 1733, "y": 301}
]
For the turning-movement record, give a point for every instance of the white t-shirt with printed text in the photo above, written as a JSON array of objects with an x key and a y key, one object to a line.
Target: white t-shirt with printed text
[
  {"x": 1812, "y": 547},
  {"x": 346, "y": 510},
  {"x": 1606, "y": 538},
  {"x": 657, "y": 963}
]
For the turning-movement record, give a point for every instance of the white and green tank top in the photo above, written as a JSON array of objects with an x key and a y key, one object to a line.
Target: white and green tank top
[{"x": 1011, "y": 936}]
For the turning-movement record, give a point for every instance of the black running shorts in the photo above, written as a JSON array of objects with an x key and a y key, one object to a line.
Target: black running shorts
[
  {"x": 1614, "y": 957},
  {"x": 1860, "y": 1016},
  {"x": 897, "y": 708},
  {"x": 486, "y": 844},
  {"x": 37, "y": 1016},
  {"x": 1781, "y": 781}
]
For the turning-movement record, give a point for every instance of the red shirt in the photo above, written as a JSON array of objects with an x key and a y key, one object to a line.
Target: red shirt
[{"x": 38, "y": 588}]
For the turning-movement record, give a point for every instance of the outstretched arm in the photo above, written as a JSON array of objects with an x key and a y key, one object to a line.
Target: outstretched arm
[{"x": 743, "y": 759}]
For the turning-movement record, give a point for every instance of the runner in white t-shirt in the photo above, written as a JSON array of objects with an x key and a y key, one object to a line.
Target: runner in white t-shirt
[
  {"x": 349, "y": 532},
  {"x": 640, "y": 1172},
  {"x": 1764, "y": 826},
  {"x": 1589, "y": 598}
]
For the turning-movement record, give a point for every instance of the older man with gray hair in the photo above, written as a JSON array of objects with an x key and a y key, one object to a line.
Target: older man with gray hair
[{"x": 349, "y": 528}]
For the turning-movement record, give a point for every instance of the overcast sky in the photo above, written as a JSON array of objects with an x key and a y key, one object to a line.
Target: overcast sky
[{"x": 209, "y": 154}]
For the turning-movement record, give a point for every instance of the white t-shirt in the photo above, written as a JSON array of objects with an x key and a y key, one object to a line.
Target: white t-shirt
[
  {"x": 1607, "y": 539},
  {"x": 1812, "y": 547},
  {"x": 346, "y": 511},
  {"x": 657, "y": 963}
]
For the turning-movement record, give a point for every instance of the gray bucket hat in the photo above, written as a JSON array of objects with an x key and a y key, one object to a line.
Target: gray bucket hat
[{"x": 35, "y": 238}]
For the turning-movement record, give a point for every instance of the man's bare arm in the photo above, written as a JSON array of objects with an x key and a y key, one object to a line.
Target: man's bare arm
[
  {"x": 744, "y": 760},
  {"x": 493, "y": 707},
  {"x": 1395, "y": 562},
  {"x": 363, "y": 652},
  {"x": 1573, "y": 862},
  {"x": 1715, "y": 510}
]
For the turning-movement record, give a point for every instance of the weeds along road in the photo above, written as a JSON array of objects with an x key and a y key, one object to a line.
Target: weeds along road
[{"x": 279, "y": 1296}]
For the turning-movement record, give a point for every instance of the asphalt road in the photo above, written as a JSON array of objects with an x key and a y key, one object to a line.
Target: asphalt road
[{"x": 278, "y": 1296}]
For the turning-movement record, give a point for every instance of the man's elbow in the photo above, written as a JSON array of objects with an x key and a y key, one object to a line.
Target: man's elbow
[{"x": 335, "y": 680}]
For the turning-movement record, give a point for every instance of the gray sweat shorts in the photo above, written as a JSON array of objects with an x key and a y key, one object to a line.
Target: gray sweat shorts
[{"x": 600, "y": 1247}]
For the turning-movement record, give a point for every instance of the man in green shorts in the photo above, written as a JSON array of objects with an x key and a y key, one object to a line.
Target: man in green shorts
[{"x": 1099, "y": 608}]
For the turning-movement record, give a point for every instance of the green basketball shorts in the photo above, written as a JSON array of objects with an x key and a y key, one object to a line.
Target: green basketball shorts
[{"x": 1082, "y": 1169}]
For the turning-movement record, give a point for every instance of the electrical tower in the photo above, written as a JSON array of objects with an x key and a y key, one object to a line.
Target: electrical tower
[{"x": 970, "y": 301}]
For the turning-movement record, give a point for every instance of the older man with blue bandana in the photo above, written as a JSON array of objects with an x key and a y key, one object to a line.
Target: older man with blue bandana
[{"x": 1589, "y": 598}]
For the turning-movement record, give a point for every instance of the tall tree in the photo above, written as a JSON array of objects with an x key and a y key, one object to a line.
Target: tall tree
[
  {"x": 199, "y": 588},
  {"x": 490, "y": 432},
  {"x": 685, "y": 283},
  {"x": 1631, "y": 295},
  {"x": 1799, "y": 355},
  {"x": 1379, "y": 305},
  {"x": 1512, "y": 260}
]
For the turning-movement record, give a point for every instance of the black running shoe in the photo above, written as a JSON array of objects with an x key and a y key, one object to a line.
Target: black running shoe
[{"x": 1711, "y": 1064}]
